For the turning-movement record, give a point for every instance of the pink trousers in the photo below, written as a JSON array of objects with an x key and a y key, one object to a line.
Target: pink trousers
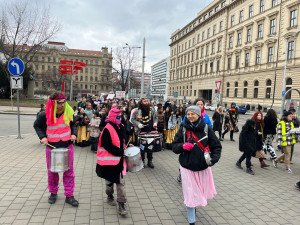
[{"x": 68, "y": 177}]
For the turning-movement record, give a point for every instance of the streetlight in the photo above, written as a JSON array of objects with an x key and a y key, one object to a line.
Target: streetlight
[
  {"x": 128, "y": 74},
  {"x": 284, "y": 73}
]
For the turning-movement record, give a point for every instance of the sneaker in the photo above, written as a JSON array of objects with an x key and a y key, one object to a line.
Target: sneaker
[
  {"x": 275, "y": 163},
  {"x": 52, "y": 198},
  {"x": 239, "y": 165},
  {"x": 122, "y": 209},
  {"x": 72, "y": 201},
  {"x": 250, "y": 171},
  {"x": 297, "y": 186},
  {"x": 111, "y": 200},
  {"x": 289, "y": 170}
]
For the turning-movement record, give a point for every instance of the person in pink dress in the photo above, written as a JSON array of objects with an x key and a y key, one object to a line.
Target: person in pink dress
[{"x": 193, "y": 141}]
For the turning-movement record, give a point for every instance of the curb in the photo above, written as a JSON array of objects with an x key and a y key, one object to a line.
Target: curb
[{"x": 24, "y": 114}]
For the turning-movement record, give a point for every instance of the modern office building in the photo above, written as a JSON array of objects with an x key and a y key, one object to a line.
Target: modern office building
[
  {"x": 160, "y": 79},
  {"x": 236, "y": 42}
]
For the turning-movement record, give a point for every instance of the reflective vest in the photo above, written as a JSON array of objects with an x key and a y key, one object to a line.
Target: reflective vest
[
  {"x": 58, "y": 131},
  {"x": 104, "y": 158},
  {"x": 283, "y": 130}
]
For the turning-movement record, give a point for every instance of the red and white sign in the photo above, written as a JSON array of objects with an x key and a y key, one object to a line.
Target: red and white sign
[{"x": 218, "y": 85}]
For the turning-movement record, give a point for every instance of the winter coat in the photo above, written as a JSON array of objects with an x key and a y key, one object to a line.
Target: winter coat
[
  {"x": 247, "y": 139},
  {"x": 112, "y": 173},
  {"x": 80, "y": 121},
  {"x": 259, "y": 137},
  {"x": 270, "y": 126},
  {"x": 136, "y": 119},
  {"x": 194, "y": 159},
  {"x": 40, "y": 126},
  {"x": 95, "y": 131},
  {"x": 218, "y": 121}
]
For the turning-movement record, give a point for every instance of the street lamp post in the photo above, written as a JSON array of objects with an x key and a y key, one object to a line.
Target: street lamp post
[
  {"x": 285, "y": 65},
  {"x": 128, "y": 74}
]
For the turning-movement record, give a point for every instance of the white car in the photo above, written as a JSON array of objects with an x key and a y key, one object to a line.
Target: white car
[{"x": 213, "y": 107}]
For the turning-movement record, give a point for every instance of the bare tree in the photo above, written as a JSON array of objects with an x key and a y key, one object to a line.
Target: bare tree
[
  {"x": 24, "y": 27},
  {"x": 125, "y": 59}
]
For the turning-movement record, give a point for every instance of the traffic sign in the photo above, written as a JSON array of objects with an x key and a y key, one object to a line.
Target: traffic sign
[
  {"x": 16, "y": 66},
  {"x": 283, "y": 93},
  {"x": 217, "y": 97},
  {"x": 218, "y": 85},
  {"x": 175, "y": 94},
  {"x": 16, "y": 83}
]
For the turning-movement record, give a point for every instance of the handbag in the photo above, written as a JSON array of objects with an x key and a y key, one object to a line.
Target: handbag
[{"x": 205, "y": 150}]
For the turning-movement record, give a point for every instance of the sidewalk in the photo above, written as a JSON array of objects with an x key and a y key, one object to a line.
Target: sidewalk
[
  {"x": 14, "y": 110},
  {"x": 154, "y": 196}
]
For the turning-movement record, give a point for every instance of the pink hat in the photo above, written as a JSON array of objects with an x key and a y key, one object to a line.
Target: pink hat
[{"x": 113, "y": 113}]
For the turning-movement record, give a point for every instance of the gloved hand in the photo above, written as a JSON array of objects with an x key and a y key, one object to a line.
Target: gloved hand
[
  {"x": 140, "y": 126},
  {"x": 155, "y": 125},
  {"x": 188, "y": 146}
]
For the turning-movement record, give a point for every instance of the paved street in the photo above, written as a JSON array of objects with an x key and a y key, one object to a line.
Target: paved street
[{"x": 154, "y": 196}]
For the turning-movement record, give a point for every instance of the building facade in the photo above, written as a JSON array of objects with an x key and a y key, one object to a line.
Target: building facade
[
  {"x": 235, "y": 42},
  {"x": 95, "y": 78},
  {"x": 160, "y": 79},
  {"x": 136, "y": 82}
]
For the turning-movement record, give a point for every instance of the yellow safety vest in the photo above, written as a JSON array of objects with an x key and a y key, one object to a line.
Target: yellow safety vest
[{"x": 284, "y": 142}]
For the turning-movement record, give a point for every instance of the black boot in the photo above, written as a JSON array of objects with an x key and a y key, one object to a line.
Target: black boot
[
  {"x": 72, "y": 201},
  {"x": 238, "y": 164},
  {"x": 221, "y": 139},
  {"x": 150, "y": 164},
  {"x": 232, "y": 139},
  {"x": 122, "y": 209},
  {"x": 250, "y": 171},
  {"x": 111, "y": 200},
  {"x": 52, "y": 198}
]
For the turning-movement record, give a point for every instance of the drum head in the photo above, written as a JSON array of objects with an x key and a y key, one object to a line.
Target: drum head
[
  {"x": 131, "y": 151},
  {"x": 60, "y": 150}
]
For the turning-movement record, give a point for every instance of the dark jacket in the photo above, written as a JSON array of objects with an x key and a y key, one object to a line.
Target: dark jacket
[
  {"x": 112, "y": 173},
  {"x": 270, "y": 125},
  {"x": 218, "y": 121},
  {"x": 194, "y": 159},
  {"x": 40, "y": 126},
  {"x": 259, "y": 137},
  {"x": 247, "y": 139}
]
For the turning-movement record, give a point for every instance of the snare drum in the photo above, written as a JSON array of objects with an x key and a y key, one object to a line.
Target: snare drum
[
  {"x": 133, "y": 159},
  {"x": 150, "y": 142},
  {"x": 59, "y": 160}
]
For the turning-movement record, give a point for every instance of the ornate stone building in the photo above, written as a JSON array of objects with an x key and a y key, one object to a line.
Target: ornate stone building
[
  {"x": 95, "y": 78},
  {"x": 235, "y": 42}
]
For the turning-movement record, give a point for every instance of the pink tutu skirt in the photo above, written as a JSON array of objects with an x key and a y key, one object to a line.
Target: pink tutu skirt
[{"x": 197, "y": 186}]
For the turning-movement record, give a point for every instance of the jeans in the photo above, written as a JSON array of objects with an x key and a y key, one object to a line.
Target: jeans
[
  {"x": 231, "y": 133},
  {"x": 248, "y": 160},
  {"x": 191, "y": 214}
]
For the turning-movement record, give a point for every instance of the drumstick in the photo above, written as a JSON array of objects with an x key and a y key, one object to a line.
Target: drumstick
[
  {"x": 128, "y": 142},
  {"x": 51, "y": 146}
]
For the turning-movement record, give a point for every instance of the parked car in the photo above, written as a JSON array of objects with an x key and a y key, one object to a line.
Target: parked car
[
  {"x": 242, "y": 109},
  {"x": 213, "y": 107},
  {"x": 207, "y": 106}
]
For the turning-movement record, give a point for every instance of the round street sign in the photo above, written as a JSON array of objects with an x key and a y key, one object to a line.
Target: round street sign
[{"x": 16, "y": 66}]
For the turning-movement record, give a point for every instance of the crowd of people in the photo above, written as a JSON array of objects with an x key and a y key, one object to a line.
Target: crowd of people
[{"x": 110, "y": 126}]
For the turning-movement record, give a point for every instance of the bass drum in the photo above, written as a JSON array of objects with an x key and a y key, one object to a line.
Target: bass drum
[
  {"x": 133, "y": 159},
  {"x": 59, "y": 160}
]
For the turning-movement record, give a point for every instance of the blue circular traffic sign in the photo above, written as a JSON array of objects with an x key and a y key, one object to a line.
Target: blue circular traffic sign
[{"x": 16, "y": 66}]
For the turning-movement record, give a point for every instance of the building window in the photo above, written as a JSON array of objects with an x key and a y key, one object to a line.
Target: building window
[
  {"x": 262, "y": 5},
  {"x": 205, "y": 68},
  {"x": 86, "y": 70},
  {"x": 86, "y": 87},
  {"x": 213, "y": 48},
  {"x": 258, "y": 55},
  {"x": 207, "y": 50},
  {"x": 255, "y": 95},
  {"x": 49, "y": 68},
  {"x": 229, "y": 64},
  {"x": 202, "y": 52},
  {"x": 239, "y": 40},
  {"x": 230, "y": 41},
  {"x": 219, "y": 45},
  {"x": 268, "y": 82},
  {"x": 245, "y": 93},
  {"x": 49, "y": 59},
  {"x": 274, "y": 3},
  {"x": 289, "y": 83},
  {"x": 241, "y": 16},
  {"x": 247, "y": 59},
  {"x": 232, "y": 20},
  {"x": 235, "y": 92},
  {"x": 208, "y": 33},
  {"x": 270, "y": 54},
  {"x": 211, "y": 67},
  {"x": 210, "y": 13},
  {"x": 223, "y": 4},
  {"x": 81, "y": 78},
  {"x": 227, "y": 92},
  {"x": 86, "y": 78},
  {"x": 250, "y": 11},
  {"x": 293, "y": 18},
  {"x": 268, "y": 92},
  {"x": 221, "y": 26},
  {"x": 249, "y": 34},
  {"x": 237, "y": 62},
  {"x": 260, "y": 31},
  {"x": 272, "y": 26},
  {"x": 214, "y": 29},
  {"x": 218, "y": 65},
  {"x": 291, "y": 48},
  {"x": 217, "y": 9},
  {"x": 201, "y": 69},
  {"x": 91, "y": 70},
  {"x": 203, "y": 35}
]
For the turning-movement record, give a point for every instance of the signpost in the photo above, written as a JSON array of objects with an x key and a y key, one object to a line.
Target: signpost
[{"x": 16, "y": 68}]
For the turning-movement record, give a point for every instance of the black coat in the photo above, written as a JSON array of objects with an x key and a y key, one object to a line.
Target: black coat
[
  {"x": 259, "y": 137},
  {"x": 270, "y": 125},
  {"x": 247, "y": 139},
  {"x": 218, "y": 121},
  {"x": 194, "y": 159},
  {"x": 40, "y": 126},
  {"x": 112, "y": 173}
]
